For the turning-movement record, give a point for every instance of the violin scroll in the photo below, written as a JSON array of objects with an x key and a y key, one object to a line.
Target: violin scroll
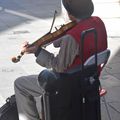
[{"x": 17, "y": 59}]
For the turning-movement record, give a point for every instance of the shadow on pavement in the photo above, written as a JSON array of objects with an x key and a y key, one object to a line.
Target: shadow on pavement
[{"x": 15, "y": 12}]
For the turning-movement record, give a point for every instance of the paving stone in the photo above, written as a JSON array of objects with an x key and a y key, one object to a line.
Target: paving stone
[{"x": 114, "y": 114}]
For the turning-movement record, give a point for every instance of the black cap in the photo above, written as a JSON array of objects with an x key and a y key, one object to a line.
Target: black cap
[{"x": 79, "y": 8}]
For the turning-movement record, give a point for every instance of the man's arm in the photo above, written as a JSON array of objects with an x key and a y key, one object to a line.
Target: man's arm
[{"x": 68, "y": 50}]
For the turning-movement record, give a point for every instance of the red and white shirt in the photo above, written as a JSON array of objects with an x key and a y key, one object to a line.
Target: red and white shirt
[{"x": 69, "y": 53}]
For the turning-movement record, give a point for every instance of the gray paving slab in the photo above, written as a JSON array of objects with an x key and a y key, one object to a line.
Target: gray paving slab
[
  {"x": 27, "y": 20},
  {"x": 114, "y": 113}
]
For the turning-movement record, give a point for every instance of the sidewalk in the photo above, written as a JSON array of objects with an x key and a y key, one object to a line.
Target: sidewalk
[
  {"x": 109, "y": 11},
  {"x": 29, "y": 20}
]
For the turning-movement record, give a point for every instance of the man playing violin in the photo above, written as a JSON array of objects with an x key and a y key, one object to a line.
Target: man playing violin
[{"x": 68, "y": 57}]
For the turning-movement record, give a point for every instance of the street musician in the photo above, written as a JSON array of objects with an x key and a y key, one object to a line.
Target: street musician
[{"x": 68, "y": 57}]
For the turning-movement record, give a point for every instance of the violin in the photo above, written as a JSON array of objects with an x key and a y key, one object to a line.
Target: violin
[{"x": 48, "y": 38}]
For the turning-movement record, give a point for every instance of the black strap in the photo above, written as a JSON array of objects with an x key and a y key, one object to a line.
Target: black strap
[{"x": 83, "y": 34}]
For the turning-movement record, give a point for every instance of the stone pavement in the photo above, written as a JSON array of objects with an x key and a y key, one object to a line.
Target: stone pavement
[{"x": 28, "y": 20}]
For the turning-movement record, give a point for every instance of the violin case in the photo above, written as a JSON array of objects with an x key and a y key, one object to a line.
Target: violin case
[{"x": 9, "y": 110}]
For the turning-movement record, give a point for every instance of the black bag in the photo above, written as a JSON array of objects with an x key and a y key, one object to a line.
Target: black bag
[
  {"x": 9, "y": 110},
  {"x": 74, "y": 96},
  {"x": 84, "y": 101}
]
